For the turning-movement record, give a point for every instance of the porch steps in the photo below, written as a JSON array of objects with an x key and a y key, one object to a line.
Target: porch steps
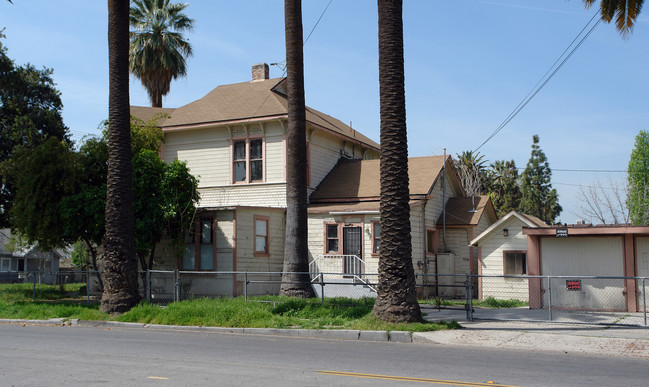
[{"x": 344, "y": 287}]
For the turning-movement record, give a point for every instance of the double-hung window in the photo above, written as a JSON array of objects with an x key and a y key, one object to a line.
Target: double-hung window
[
  {"x": 376, "y": 237},
  {"x": 332, "y": 244},
  {"x": 262, "y": 248},
  {"x": 248, "y": 160}
]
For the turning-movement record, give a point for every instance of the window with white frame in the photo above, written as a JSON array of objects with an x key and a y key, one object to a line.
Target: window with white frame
[
  {"x": 514, "y": 262},
  {"x": 248, "y": 160},
  {"x": 261, "y": 236}
]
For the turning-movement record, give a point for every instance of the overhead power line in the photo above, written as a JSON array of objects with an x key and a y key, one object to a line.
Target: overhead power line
[{"x": 546, "y": 77}]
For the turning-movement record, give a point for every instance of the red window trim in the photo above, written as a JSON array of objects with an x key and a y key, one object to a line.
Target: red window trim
[
  {"x": 247, "y": 141},
  {"x": 374, "y": 252},
  {"x": 326, "y": 238},
  {"x": 197, "y": 235},
  {"x": 254, "y": 242}
]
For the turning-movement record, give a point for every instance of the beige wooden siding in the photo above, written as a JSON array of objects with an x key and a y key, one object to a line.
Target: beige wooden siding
[
  {"x": 247, "y": 261},
  {"x": 275, "y": 160},
  {"x": 324, "y": 153},
  {"x": 492, "y": 262},
  {"x": 584, "y": 256},
  {"x": 208, "y": 161},
  {"x": 642, "y": 257},
  {"x": 251, "y": 195}
]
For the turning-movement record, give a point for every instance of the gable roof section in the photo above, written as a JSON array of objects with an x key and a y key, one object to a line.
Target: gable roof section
[
  {"x": 528, "y": 220},
  {"x": 247, "y": 101},
  {"x": 467, "y": 211},
  {"x": 359, "y": 180},
  {"x": 146, "y": 113}
]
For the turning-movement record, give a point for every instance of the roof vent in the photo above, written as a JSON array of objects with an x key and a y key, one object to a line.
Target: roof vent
[
  {"x": 581, "y": 222},
  {"x": 259, "y": 72}
]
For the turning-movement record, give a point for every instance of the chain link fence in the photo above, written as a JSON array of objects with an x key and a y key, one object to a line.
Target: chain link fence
[{"x": 566, "y": 299}]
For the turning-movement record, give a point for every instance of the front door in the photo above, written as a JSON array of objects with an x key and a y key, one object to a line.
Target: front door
[{"x": 352, "y": 249}]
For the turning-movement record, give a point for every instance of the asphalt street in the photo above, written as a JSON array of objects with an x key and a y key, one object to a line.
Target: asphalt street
[{"x": 42, "y": 355}]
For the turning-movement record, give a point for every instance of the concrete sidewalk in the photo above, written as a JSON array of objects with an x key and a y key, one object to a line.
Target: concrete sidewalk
[{"x": 593, "y": 340}]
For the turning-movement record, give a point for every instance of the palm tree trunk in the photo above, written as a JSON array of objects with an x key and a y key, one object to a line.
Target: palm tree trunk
[
  {"x": 296, "y": 254},
  {"x": 396, "y": 299},
  {"x": 120, "y": 265}
]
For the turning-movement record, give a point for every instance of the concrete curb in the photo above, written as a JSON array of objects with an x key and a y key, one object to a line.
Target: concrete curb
[{"x": 333, "y": 334}]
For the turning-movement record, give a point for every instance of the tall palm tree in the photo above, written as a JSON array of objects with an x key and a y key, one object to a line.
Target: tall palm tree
[
  {"x": 625, "y": 13},
  {"x": 296, "y": 253},
  {"x": 120, "y": 267},
  {"x": 396, "y": 299},
  {"x": 158, "y": 50}
]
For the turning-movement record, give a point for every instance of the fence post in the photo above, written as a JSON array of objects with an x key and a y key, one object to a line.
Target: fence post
[
  {"x": 245, "y": 286},
  {"x": 177, "y": 285},
  {"x": 468, "y": 296},
  {"x": 322, "y": 287},
  {"x": 34, "y": 286},
  {"x": 147, "y": 285},
  {"x": 550, "y": 297},
  {"x": 644, "y": 300},
  {"x": 88, "y": 285}
]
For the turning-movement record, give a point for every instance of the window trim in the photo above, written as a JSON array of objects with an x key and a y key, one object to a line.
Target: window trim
[
  {"x": 325, "y": 248},
  {"x": 256, "y": 253},
  {"x": 435, "y": 241},
  {"x": 375, "y": 253},
  {"x": 2, "y": 260},
  {"x": 197, "y": 242},
  {"x": 247, "y": 160},
  {"x": 505, "y": 252}
]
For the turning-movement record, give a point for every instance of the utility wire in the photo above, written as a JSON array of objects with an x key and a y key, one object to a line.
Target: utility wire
[
  {"x": 282, "y": 64},
  {"x": 545, "y": 79}
]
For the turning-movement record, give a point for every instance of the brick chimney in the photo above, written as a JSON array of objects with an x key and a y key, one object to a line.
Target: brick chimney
[{"x": 259, "y": 72}]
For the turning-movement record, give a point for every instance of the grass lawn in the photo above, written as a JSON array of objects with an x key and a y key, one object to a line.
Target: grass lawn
[
  {"x": 16, "y": 302},
  {"x": 488, "y": 302}
]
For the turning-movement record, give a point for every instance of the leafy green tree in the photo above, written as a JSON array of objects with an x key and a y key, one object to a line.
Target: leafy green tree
[
  {"x": 158, "y": 50},
  {"x": 625, "y": 12},
  {"x": 43, "y": 176},
  {"x": 396, "y": 298},
  {"x": 538, "y": 198},
  {"x": 504, "y": 186},
  {"x": 30, "y": 113},
  {"x": 637, "y": 199}
]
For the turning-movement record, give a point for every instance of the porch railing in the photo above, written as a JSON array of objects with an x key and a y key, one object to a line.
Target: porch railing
[{"x": 339, "y": 267}]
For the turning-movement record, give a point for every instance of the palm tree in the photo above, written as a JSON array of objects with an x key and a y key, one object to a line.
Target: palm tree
[
  {"x": 120, "y": 267},
  {"x": 396, "y": 299},
  {"x": 158, "y": 50},
  {"x": 625, "y": 13},
  {"x": 295, "y": 280}
]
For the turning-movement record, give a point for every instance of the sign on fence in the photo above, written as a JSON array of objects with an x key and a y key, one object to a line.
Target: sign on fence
[{"x": 573, "y": 285}]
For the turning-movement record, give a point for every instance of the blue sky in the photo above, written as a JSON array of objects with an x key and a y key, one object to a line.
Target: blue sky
[{"x": 468, "y": 65}]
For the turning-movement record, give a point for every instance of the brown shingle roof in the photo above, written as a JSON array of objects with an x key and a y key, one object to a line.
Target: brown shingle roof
[
  {"x": 358, "y": 179},
  {"x": 460, "y": 210},
  {"x": 248, "y": 100}
]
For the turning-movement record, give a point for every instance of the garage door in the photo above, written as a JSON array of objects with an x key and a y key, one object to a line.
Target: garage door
[
  {"x": 587, "y": 256},
  {"x": 584, "y": 256}
]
